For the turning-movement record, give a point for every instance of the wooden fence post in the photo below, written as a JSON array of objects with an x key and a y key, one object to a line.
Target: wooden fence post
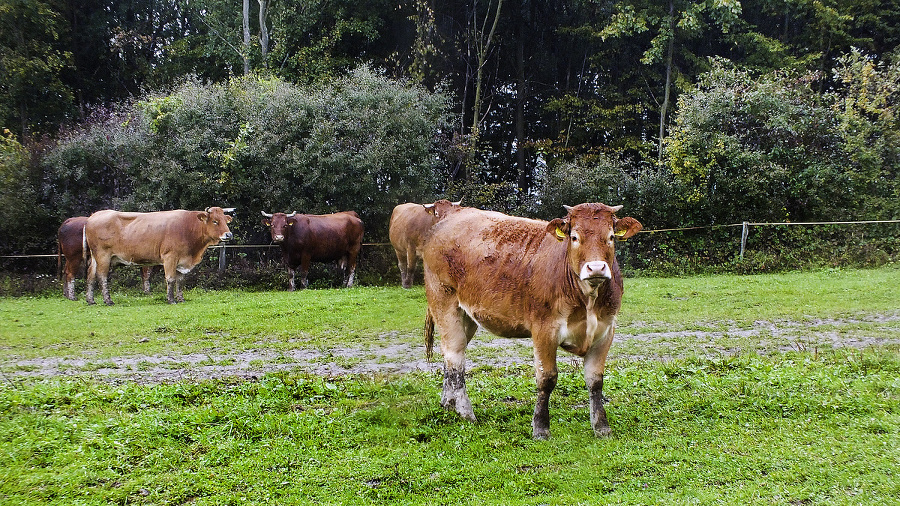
[
  {"x": 222, "y": 259},
  {"x": 744, "y": 231}
]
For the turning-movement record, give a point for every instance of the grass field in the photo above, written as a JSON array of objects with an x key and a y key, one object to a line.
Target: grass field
[{"x": 775, "y": 389}]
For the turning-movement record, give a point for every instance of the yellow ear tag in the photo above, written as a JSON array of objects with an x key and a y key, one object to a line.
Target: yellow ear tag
[
  {"x": 620, "y": 233},
  {"x": 560, "y": 234}
]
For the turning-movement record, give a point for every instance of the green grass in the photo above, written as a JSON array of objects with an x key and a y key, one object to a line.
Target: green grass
[
  {"x": 231, "y": 321},
  {"x": 747, "y": 430},
  {"x": 707, "y": 406}
]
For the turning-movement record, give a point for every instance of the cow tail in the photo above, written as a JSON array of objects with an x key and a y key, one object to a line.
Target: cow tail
[
  {"x": 85, "y": 252},
  {"x": 429, "y": 335}
]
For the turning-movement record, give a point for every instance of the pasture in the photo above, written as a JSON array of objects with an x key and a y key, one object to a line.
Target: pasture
[{"x": 768, "y": 389}]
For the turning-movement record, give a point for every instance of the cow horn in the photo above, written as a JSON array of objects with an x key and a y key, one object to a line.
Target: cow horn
[
  {"x": 457, "y": 203},
  {"x": 616, "y": 209},
  {"x": 427, "y": 206},
  {"x": 229, "y": 209},
  {"x": 292, "y": 214},
  {"x": 266, "y": 214},
  {"x": 568, "y": 209},
  {"x": 206, "y": 210}
]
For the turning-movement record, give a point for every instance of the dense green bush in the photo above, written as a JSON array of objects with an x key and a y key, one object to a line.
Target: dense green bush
[{"x": 363, "y": 142}]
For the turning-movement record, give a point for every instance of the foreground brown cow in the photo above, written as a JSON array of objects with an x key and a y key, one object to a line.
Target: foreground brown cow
[
  {"x": 69, "y": 241},
  {"x": 557, "y": 283},
  {"x": 306, "y": 238},
  {"x": 409, "y": 224},
  {"x": 176, "y": 240}
]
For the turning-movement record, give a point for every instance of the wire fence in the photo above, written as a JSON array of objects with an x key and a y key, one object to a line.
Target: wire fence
[{"x": 226, "y": 250}]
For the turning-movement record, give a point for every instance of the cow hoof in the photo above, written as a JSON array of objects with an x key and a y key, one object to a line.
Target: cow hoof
[
  {"x": 603, "y": 432},
  {"x": 541, "y": 434},
  {"x": 467, "y": 414}
]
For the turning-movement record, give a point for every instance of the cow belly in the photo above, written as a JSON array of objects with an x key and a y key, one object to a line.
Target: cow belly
[
  {"x": 134, "y": 260},
  {"x": 499, "y": 325}
]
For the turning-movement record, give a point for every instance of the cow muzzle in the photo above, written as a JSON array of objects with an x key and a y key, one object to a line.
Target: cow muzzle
[
  {"x": 596, "y": 272},
  {"x": 226, "y": 236},
  {"x": 277, "y": 238}
]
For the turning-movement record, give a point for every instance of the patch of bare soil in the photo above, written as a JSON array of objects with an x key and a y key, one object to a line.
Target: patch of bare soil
[{"x": 386, "y": 357}]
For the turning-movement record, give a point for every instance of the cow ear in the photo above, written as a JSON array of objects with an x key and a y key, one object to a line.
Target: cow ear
[
  {"x": 429, "y": 208},
  {"x": 267, "y": 222},
  {"x": 559, "y": 228},
  {"x": 626, "y": 227},
  {"x": 202, "y": 215},
  {"x": 228, "y": 218}
]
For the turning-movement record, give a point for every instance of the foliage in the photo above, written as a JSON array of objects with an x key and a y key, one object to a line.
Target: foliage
[
  {"x": 760, "y": 148},
  {"x": 21, "y": 218},
  {"x": 868, "y": 104},
  {"x": 33, "y": 97},
  {"x": 363, "y": 142}
]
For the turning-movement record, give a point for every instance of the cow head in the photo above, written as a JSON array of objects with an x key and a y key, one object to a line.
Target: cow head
[
  {"x": 216, "y": 222},
  {"x": 278, "y": 224},
  {"x": 590, "y": 232},
  {"x": 441, "y": 208}
]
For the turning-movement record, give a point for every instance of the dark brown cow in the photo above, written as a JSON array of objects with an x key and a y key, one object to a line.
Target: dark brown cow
[
  {"x": 557, "y": 283},
  {"x": 69, "y": 241},
  {"x": 176, "y": 240},
  {"x": 306, "y": 238},
  {"x": 409, "y": 224}
]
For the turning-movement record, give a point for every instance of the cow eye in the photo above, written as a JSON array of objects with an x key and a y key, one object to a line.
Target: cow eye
[{"x": 215, "y": 222}]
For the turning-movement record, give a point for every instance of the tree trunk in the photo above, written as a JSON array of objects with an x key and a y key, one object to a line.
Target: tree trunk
[
  {"x": 264, "y": 30},
  {"x": 663, "y": 110},
  {"x": 479, "y": 72},
  {"x": 521, "y": 92},
  {"x": 246, "y": 49}
]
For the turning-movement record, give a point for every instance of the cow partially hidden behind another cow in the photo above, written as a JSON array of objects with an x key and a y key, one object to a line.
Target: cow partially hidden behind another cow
[
  {"x": 409, "y": 224},
  {"x": 557, "y": 283},
  {"x": 69, "y": 242},
  {"x": 176, "y": 240},
  {"x": 306, "y": 238}
]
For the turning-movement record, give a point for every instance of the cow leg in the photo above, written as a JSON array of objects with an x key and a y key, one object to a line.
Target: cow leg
[
  {"x": 545, "y": 375},
  {"x": 179, "y": 287},
  {"x": 99, "y": 269},
  {"x": 456, "y": 330},
  {"x": 594, "y": 368},
  {"x": 173, "y": 278},
  {"x": 405, "y": 282},
  {"x": 91, "y": 278},
  {"x": 350, "y": 266},
  {"x": 304, "y": 272},
  {"x": 291, "y": 274},
  {"x": 69, "y": 289},
  {"x": 145, "y": 277},
  {"x": 411, "y": 261}
]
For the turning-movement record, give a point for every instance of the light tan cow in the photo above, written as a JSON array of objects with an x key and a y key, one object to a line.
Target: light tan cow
[
  {"x": 409, "y": 224},
  {"x": 69, "y": 244},
  {"x": 176, "y": 240},
  {"x": 555, "y": 282}
]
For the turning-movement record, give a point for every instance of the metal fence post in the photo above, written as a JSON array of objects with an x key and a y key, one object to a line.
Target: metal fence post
[{"x": 744, "y": 231}]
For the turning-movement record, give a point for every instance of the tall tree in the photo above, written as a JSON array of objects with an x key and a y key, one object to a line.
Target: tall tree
[
  {"x": 670, "y": 25},
  {"x": 33, "y": 96}
]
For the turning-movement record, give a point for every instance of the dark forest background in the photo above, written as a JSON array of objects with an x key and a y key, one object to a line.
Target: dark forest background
[{"x": 688, "y": 113}]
